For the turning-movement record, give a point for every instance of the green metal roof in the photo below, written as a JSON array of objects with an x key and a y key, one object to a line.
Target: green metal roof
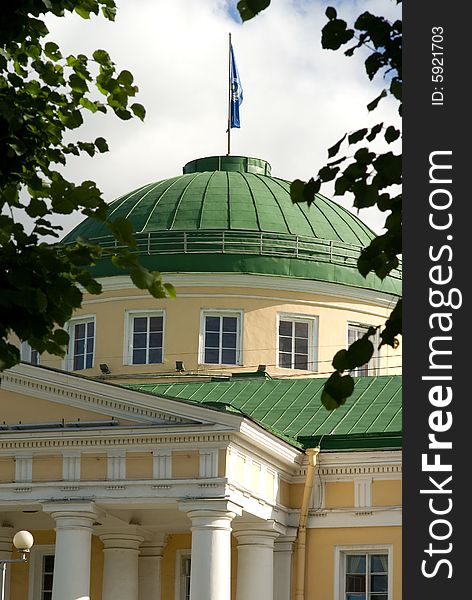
[
  {"x": 292, "y": 408},
  {"x": 227, "y": 214}
]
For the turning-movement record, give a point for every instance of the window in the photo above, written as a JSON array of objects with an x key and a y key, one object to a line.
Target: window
[
  {"x": 363, "y": 572},
  {"x": 354, "y": 333},
  {"x": 366, "y": 577},
  {"x": 28, "y": 354},
  {"x": 221, "y": 333},
  {"x": 145, "y": 338},
  {"x": 182, "y": 575},
  {"x": 296, "y": 343},
  {"x": 81, "y": 343},
  {"x": 41, "y": 572}
]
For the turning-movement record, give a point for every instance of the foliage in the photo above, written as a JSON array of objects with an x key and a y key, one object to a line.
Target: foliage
[
  {"x": 43, "y": 96},
  {"x": 367, "y": 174}
]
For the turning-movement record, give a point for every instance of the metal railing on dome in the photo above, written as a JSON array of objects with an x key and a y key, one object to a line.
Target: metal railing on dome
[{"x": 243, "y": 242}]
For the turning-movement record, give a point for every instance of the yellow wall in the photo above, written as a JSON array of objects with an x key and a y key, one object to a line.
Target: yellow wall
[
  {"x": 320, "y": 556},
  {"x": 182, "y": 322},
  {"x": 222, "y": 463},
  {"x": 185, "y": 465},
  {"x": 181, "y": 541},
  {"x": 138, "y": 465},
  {"x": 93, "y": 467},
  {"x": 339, "y": 494},
  {"x": 47, "y": 468},
  {"x": 386, "y": 492},
  {"x": 7, "y": 469}
]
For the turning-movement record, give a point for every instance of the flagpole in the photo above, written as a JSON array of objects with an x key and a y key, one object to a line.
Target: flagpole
[{"x": 229, "y": 94}]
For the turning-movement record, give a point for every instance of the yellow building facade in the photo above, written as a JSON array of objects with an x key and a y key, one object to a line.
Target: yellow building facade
[{"x": 180, "y": 450}]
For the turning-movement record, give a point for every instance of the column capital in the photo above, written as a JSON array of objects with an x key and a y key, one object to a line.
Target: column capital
[
  {"x": 127, "y": 538},
  {"x": 255, "y": 533},
  {"x": 154, "y": 546},
  {"x": 197, "y": 508},
  {"x": 68, "y": 515}
]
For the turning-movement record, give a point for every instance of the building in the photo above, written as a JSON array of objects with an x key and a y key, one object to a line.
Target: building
[{"x": 180, "y": 450}]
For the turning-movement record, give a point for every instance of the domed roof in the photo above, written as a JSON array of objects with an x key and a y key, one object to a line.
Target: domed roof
[{"x": 227, "y": 214}]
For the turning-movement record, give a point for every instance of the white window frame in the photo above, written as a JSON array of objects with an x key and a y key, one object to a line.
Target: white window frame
[
  {"x": 374, "y": 362},
  {"x": 340, "y": 553},
  {"x": 128, "y": 340},
  {"x": 313, "y": 329},
  {"x": 208, "y": 312},
  {"x": 68, "y": 362},
  {"x": 36, "y": 569},
  {"x": 26, "y": 351},
  {"x": 179, "y": 589}
]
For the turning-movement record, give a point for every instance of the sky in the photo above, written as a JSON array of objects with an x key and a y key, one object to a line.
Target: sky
[{"x": 298, "y": 98}]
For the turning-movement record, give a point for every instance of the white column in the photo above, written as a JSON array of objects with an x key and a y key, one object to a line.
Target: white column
[
  {"x": 149, "y": 568},
  {"x": 283, "y": 549},
  {"x": 210, "y": 573},
  {"x": 255, "y": 579},
  {"x": 120, "y": 567},
  {"x": 72, "y": 553},
  {"x": 6, "y": 546}
]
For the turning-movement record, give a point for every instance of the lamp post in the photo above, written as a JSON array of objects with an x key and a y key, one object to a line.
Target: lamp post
[{"x": 22, "y": 540}]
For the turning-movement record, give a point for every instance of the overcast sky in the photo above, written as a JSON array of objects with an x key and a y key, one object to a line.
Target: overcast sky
[{"x": 298, "y": 98}]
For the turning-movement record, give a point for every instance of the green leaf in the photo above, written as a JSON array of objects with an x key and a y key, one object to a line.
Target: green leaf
[
  {"x": 101, "y": 144},
  {"x": 357, "y": 136},
  {"x": 328, "y": 173},
  {"x": 138, "y": 110},
  {"x": 338, "y": 388},
  {"x": 335, "y": 149},
  {"x": 372, "y": 105},
  {"x": 360, "y": 352},
  {"x": 122, "y": 229},
  {"x": 250, "y": 8},
  {"x": 102, "y": 57},
  {"x": 331, "y": 13},
  {"x": 51, "y": 50},
  {"x": 340, "y": 361},
  {"x": 391, "y": 134},
  {"x": 376, "y": 129},
  {"x": 170, "y": 290}
]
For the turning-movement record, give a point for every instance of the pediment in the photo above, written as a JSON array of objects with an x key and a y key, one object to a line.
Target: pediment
[{"x": 35, "y": 396}]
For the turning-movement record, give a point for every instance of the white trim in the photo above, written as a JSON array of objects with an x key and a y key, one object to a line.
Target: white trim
[
  {"x": 378, "y": 298},
  {"x": 26, "y": 352},
  {"x": 179, "y": 555},
  {"x": 224, "y": 312},
  {"x": 313, "y": 329},
  {"x": 68, "y": 360},
  {"x": 128, "y": 337},
  {"x": 339, "y": 565},
  {"x": 36, "y": 570}
]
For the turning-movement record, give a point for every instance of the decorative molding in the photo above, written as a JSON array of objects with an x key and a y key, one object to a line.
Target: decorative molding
[
  {"x": 71, "y": 466},
  {"x": 271, "y": 282},
  {"x": 116, "y": 465},
  {"x": 162, "y": 463},
  {"x": 24, "y": 468},
  {"x": 362, "y": 492},
  {"x": 208, "y": 462}
]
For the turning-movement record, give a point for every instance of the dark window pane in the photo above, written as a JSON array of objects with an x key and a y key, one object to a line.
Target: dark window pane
[
  {"x": 285, "y": 344},
  {"x": 229, "y": 340},
  {"x": 301, "y": 361},
  {"x": 355, "y": 583},
  {"x": 34, "y": 357},
  {"x": 212, "y": 324},
  {"x": 79, "y": 346},
  {"x": 211, "y": 356},
  {"x": 89, "y": 361},
  {"x": 229, "y": 323},
  {"x": 47, "y": 581},
  {"x": 285, "y": 328},
  {"x": 155, "y": 340},
  {"x": 228, "y": 357},
  {"x": 378, "y": 563},
  {"x": 301, "y": 345},
  {"x": 80, "y": 330},
  {"x": 301, "y": 330},
  {"x": 155, "y": 355},
  {"x": 90, "y": 329},
  {"x": 47, "y": 596},
  {"x": 379, "y": 596},
  {"x": 139, "y": 340},
  {"x": 140, "y": 324},
  {"x": 355, "y": 564},
  {"x": 212, "y": 340},
  {"x": 139, "y": 357},
  {"x": 155, "y": 323},
  {"x": 78, "y": 362},
  {"x": 285, "y": 360},
  {"x": 48, "y": 562},
  {"x": 355, "y": 597},
  {"x": 379, "y": 583}
]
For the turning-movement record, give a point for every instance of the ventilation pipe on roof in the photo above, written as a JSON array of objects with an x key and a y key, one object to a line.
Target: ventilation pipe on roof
[{"x": 312, "y": 453}]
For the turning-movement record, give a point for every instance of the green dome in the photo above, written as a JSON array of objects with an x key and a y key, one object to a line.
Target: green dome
[{"x": 227, "y": 214}]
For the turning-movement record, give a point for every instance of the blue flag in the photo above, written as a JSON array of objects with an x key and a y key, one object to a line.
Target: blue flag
[{"x": 236, "y": 92}]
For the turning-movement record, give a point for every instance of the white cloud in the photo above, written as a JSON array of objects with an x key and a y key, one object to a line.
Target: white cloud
[{"x": 298, "y": 98}]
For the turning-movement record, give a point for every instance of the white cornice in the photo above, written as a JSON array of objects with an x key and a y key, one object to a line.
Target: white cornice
[{"x": 324, "y": 288}]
